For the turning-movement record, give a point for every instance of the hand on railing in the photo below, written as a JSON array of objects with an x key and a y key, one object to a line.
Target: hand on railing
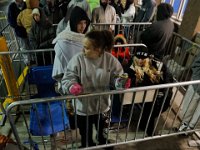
[
  {"x": 122, "y": 81},
  {"x": 76, "y": 89}
]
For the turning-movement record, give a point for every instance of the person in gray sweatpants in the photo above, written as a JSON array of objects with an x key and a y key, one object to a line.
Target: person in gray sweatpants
[{"x": 191, "y": 101}]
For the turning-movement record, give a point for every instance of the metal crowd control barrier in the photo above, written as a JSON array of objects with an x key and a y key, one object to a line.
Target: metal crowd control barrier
[
  {"x": 165, "y": 124},
  {"x": 8, "y": 33},
  {"x": 131, "y": 134},
  {"x": 179, "y": 55},
  {"x": 3, "y": 20},
  {"x": 14, "y": 75},
  {"x": 131, "y": 31}
]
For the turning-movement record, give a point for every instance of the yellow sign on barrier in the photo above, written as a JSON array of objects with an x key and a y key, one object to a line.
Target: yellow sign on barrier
[
  {"x": 7, "y": 70},
  {"x": 8, "y": 75}
]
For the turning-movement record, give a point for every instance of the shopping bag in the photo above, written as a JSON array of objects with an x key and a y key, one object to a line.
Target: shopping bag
[{"x": 46, "y": 120}]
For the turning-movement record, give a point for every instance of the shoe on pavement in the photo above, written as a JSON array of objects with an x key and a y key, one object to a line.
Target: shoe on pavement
[{"x": 183, "y": 127}]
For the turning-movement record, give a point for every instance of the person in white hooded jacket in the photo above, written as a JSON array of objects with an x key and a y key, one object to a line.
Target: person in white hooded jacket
[
  {"x": 69, "y": 42},
  {"x": 129, "y": 12},
  {"x": 73, "y": 3}
]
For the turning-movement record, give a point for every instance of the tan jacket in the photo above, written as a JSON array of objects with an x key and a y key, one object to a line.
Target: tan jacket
[{"x": 25, "y": 18}]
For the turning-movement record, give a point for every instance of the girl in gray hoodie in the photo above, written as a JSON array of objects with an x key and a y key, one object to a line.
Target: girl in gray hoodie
[{"x": 92, "y": 71}]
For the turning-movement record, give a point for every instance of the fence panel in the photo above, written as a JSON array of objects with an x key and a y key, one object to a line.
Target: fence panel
[
  {"x": 131, "y": 31},
  {"x": 133, "y": 125},
  {"x": 179, "y": 55}
]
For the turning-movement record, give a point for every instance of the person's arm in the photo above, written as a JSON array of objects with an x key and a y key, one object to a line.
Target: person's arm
[
  {"x": 114, "y": 19},
  {"x": 116, "y": 70},
  {"x": 19, "y": 18},
  {"x": 196, "y": 73},
  {"x": 94, "y": 16},
  {"x": 11, "y": 16},
  {"x": 71, "y": 76},
  {"x": 149, "y": 13},
  {"x": 88, "y": 10},
  {"x": 150, "y": 34},
  {"x": 32, "y": 38},
  {"x": 47, "y": 36},
  {"x": 121, "y": 8},
  {"x": 196, "y": 68},
  {"x": 130, "y": 12}
]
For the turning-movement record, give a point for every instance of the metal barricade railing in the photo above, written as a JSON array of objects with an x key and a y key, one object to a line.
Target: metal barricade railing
[
  {"x": 15, "y": 62},
  {"x": 131, "y": 31},
  {"x": 179, "y": 55},
  {"x": 41, "y": 57},
  {"x": 8, "y": 33},
  {"x": 165, "y": 123},
  {"x": 3, "y": 20}
]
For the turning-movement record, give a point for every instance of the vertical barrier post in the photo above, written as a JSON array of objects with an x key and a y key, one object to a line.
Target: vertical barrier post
[{"x": 8, "y": 74}]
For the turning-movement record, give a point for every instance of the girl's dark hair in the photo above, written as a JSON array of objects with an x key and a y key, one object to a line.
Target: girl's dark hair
[
  {"x": 101, "y": 39},
  {"x": 128, "y": 3}
]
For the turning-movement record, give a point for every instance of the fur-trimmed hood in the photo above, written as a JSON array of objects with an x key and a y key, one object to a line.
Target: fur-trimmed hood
[{"x": 121, "y": 38}]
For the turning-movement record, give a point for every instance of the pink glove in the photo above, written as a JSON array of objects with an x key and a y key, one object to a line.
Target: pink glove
[
  {"x": 76, "y": 89},
  {"x": 128, "y": 83}
]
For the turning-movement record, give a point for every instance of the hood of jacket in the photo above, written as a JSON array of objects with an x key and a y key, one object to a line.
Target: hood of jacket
[
  {"x": 164, "y": 11},
  {"x": 67, "y": 34},
  {"x": 77, "y": 15},
  {"x": 120, "y": 38},
  {"x": 44, "y": 21}
]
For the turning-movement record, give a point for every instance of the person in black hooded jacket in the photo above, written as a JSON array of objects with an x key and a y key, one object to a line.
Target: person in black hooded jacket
[
  {"x": 157, "y": 34},
  {"x": 145, "y": 71}
]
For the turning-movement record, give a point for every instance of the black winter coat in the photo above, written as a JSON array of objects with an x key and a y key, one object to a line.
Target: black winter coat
[
  {"x": 42, "y": 33},
  {"x": 13, "y": 12},
  {"x": 161, "y": 103},
  {"x": 156, "y": 37}
]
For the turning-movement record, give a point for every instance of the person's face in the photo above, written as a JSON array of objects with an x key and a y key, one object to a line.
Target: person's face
[
  {"x": 19, "y": 2},
  {"x": 89, "y": 50},
  {"x": 81, "y": 26},
  {"x": 36, "y": 17},
  {"x": 118, "y": 43},
  {"x": 104, "y": 2},
  {"x": 142, "y": 62}
]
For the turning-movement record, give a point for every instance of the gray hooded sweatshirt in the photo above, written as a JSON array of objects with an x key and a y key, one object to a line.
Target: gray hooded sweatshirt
[{"x": 94, "y": 75}]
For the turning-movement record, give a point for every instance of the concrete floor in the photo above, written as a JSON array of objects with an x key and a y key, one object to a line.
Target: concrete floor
[{"x": 177, "y": 142}]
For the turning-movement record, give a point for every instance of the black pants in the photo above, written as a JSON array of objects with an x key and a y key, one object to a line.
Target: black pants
[
  {"x": 45, "y": 58},
  {"x": 145, "y": 116},
  {"x": 87, "y": 131}
]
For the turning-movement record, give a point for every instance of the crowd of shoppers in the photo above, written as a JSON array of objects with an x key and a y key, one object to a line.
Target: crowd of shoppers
[{"x": 85, "y": 60}]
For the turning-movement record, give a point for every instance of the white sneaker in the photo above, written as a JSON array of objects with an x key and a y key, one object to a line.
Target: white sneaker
[{"x": 183, "y": 127}]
